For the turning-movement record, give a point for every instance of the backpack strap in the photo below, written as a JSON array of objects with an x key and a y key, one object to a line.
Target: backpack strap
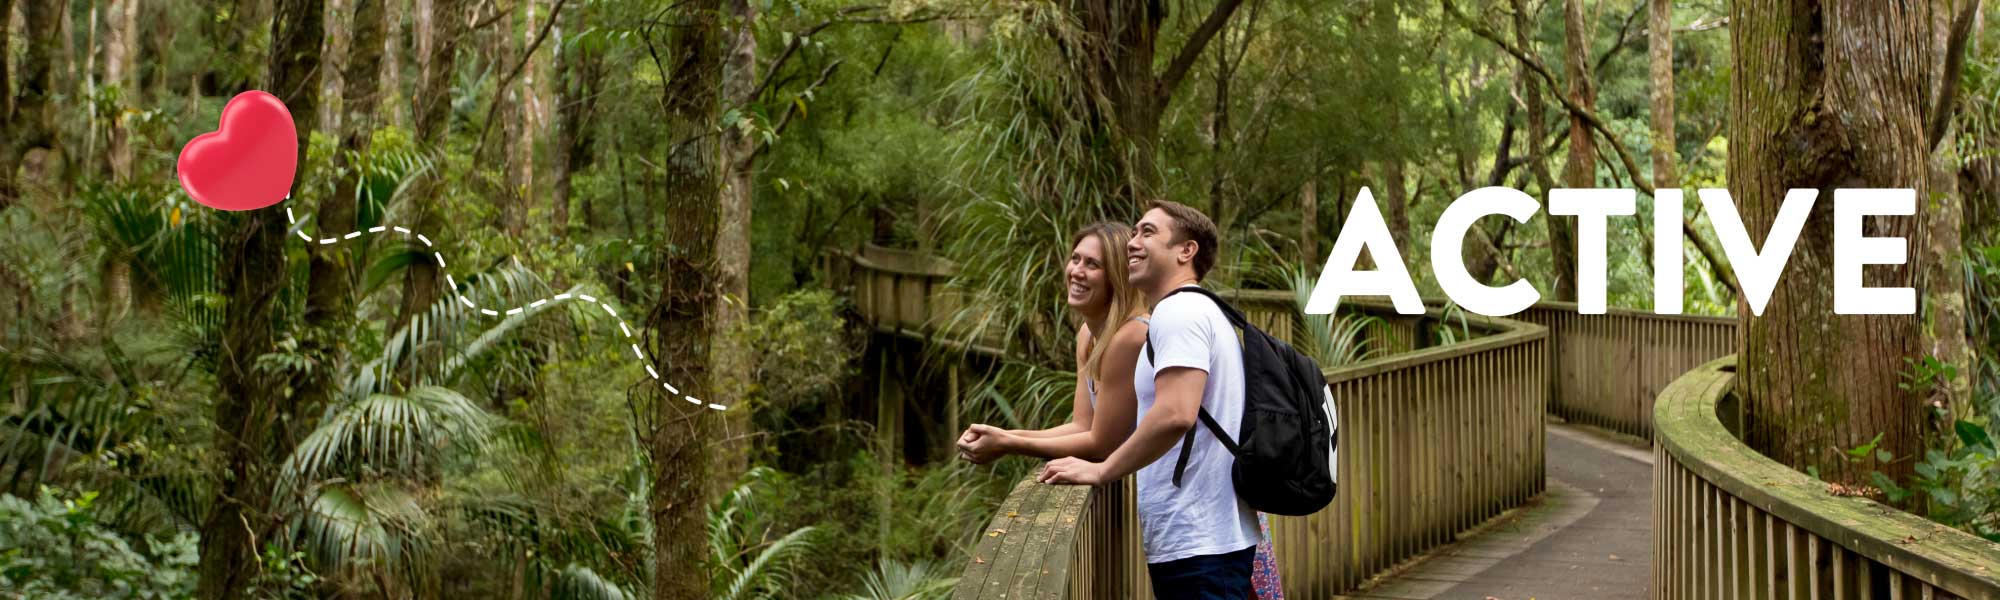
[{"x": 1187, "y": 441}]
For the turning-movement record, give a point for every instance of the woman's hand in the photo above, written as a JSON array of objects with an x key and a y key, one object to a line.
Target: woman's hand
[
  {"x": 1073, "y": 471},
  {"x": 982, "y": 444}
]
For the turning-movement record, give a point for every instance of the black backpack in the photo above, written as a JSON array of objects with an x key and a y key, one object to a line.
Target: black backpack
[{"x": 1284, "y": 461}]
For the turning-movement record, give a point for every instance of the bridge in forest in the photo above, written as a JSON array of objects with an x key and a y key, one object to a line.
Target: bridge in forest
[{"x": 1548, "y": 455}]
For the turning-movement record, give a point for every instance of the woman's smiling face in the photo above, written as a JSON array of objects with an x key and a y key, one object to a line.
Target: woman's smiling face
[{"x": 1086, "y": 282}]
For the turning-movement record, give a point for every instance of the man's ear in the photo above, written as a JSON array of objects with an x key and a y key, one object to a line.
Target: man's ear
[{"x": 1185, "y": 253}]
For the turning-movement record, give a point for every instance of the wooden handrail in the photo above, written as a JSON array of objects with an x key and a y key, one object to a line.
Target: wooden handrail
[
  {"x": 1730, "y": 522},
  {"x": 1421, "y": 461},
  {"x": 1438, "y": 439}
]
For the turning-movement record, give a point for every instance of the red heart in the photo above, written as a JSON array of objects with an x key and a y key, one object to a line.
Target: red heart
[{"x": 249, "y": 161}]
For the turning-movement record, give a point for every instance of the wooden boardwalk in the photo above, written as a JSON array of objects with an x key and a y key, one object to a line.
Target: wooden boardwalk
[{"x": 1588, "y": 537}]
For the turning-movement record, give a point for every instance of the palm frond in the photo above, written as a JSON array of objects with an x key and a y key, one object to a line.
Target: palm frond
[
  {"x": 406, "y": 434},
  {"x": 577, "y": 582},
  {"x": 895, "y": 580},
  {"x": 359, "y": 530}
]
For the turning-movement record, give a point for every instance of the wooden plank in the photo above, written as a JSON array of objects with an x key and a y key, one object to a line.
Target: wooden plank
[
  {"x": 1013, "y": 538},
  {"x": 1057, "y": 534},
  {"x": 973, "y": 579}
]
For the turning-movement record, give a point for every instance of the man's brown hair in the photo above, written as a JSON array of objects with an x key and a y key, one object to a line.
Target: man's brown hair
[{"x": 1191, "y": 225}]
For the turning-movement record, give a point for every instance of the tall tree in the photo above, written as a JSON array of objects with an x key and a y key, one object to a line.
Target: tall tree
[
  {"x": 521, "y": 123},
  {"x": 1824, "y": 95},
  {"x": 6, "y": 86},
  {"x": 31, "y": 122},
  {"x": 681, "y": 325},
  {"x": 1660, "y": 61},
  {"x": 120, "y": 37},
  {"x": 1580, "y": 171},
  {"x": 732, "y": 239},
  {"x": 1114, "y": 56},
  {"x": 440, "y": 25},
  {"x": 579, "y": 68},
  {"x": 1942, "y": 246},
  {"x": 255, "y": 409}
]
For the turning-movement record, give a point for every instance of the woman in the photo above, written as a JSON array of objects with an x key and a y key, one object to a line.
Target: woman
[{"x": 1103, "y": 412}]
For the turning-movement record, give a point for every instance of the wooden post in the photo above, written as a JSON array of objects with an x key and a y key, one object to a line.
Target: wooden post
[
  {"x": 952, "y": 405},
  {"x": 885, "y": 435}
]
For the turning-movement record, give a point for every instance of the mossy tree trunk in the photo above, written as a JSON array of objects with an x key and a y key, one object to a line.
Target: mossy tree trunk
[
  {"x": 1118, "y": 47},
  {"x": 255, "y": 416},
  {"x": 30, "y": 119},
  {"x": 1580, "y": 171},
  {"x": 1825, "y": 95},
  {"x": 680, "y": 328},
  {"x": 732, "y": 244},
  {"x": 440, "y": 29}
]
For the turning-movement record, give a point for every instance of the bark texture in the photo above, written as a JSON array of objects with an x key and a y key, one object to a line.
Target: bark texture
[
  {"x": 680, "y": 328},
  {"x": 254, "y": 415},
  {"x": 1580, "y": 171},
  {"x": 1114, "y": 55},
  {"x": 440, "y": 28},
  {"x": 1827, "y": 95},
  {"x": 732, "y": 243},
  {"x": 1660, "y": 58},
  {"x": 30, "y": 123}
]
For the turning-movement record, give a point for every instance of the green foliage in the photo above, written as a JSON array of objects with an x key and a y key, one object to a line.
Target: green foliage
[
  {"x": 55, "y": 546},
  {"x": 799, "y": 345},
  {"x": 1332, "y": 339},
  {"x": 747, "y": 560},
  {"x": 893, "y": 580}
]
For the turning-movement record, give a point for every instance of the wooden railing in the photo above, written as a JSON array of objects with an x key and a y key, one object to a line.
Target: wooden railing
[
  {"x": 1435, "y": 440},
  {"x": 1731, "y": 523},
  {"x": 1609, "y": 367}
]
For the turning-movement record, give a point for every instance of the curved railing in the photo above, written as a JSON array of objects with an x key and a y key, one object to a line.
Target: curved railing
[
  {"x": 1610, "y": 366},
  {"x": 1451, "y": 435},
  {"x": 1731, "y": 523},
  {"x": 1435, "y": 440}
]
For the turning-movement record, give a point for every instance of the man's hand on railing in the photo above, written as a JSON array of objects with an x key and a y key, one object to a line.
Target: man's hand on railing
[{"x": 1072, "y": 471}]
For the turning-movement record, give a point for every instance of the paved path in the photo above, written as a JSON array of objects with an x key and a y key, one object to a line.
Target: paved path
[{"x": 1589, "y": 537}]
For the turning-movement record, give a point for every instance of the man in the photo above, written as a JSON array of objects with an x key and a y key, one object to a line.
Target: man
[{"x": 1199, "y": 538}]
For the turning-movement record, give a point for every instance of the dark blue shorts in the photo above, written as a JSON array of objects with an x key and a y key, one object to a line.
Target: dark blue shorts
[{"x": 1212, "y": 577}]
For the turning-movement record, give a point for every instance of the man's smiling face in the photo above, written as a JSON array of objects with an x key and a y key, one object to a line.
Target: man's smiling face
[{"x": 1151, "y": 254}]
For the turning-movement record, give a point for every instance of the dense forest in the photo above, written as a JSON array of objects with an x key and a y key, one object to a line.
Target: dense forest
[{"x": 199, "y": 405}]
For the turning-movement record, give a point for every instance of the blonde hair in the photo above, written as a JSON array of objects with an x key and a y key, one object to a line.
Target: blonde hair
[{"x": 1126, "y": 301}]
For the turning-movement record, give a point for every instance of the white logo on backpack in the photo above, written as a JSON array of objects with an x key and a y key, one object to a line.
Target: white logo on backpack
[{"x": 1333, "y": 439}]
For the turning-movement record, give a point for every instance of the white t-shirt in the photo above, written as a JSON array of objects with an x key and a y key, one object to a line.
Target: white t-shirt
[{"x": 1203, "y": 516}]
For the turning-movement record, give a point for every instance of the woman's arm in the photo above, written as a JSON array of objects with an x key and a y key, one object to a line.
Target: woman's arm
[
  {"x": 1080, "y": 411},
  {"x": 1116, "y": 399},
  {"x": 981, "y": 443}
]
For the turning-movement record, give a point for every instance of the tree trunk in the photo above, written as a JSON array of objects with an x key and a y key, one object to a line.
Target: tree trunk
[
  {"x": 32, "y": 123},
  {"x": 440, "y": 27},
  {"x": 1580, "y": 171},
  {"x": 732, "y": 244},
  {"x": 680, "y": 328},
  {"x": 253, "y": 412},
  {"x": 1660, "y": 55},
  {"x": 1115, "y": 61},
  {"x": 580, "y": 70},
  {"x": 1398, "y": 210},
  {"x": 333, "y": 54},
  {"x": 520, "y": 124},
  {"x": 1309, "y": 219},
  {"x": 391, "y": 104},
  {"x": 1531, "y": 101},
  {"x": 6, "y": 85},
  {"x": 1824, "y": 96},
  {"x": 119, "y": 72}
]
